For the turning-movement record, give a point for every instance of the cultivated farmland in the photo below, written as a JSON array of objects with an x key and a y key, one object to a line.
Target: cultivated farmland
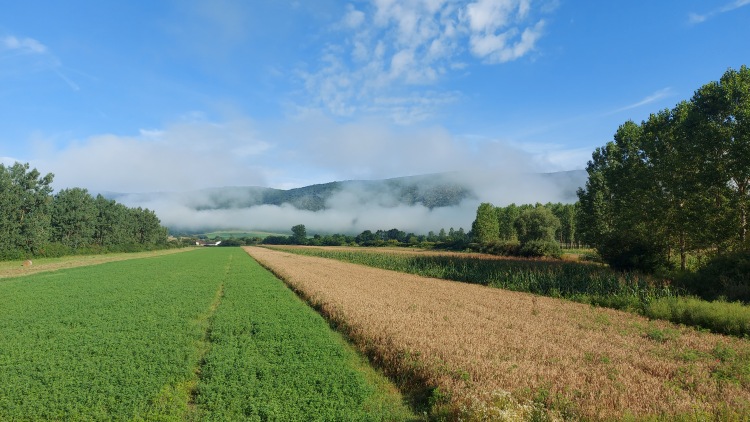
[
  {"x": 586, "y": 283},
  {"x": 483, "y": 352},
  {"x": 200, "y": 335}
]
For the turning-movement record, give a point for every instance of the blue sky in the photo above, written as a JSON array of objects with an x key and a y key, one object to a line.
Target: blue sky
[{"x": 177, "y": 95}]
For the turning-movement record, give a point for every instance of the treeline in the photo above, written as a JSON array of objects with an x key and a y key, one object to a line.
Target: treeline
[
  {"x": 675, "y": 185},
  {"x": 451, "y": 239},
  {"x": 34, "y": 222},
  {"x": 525, "y": 230},
  {"x": 673, "y": 192}
]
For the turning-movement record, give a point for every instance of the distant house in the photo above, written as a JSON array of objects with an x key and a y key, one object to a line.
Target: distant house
[{"x": 201, "y": 243}]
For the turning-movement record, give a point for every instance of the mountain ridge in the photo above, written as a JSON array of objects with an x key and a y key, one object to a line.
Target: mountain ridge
[
  {"x": 415, "y": 203},
  {"x": 430, "y": 190}
]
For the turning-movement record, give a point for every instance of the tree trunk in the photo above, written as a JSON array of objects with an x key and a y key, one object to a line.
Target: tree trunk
[
  {"x": 742, "y": 188},
  {"x": 683, "y": 255}
]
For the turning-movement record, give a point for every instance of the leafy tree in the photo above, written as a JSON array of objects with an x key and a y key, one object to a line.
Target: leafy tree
[
  {"x": 506, "y": 217},
  {"x": 722, "y": 111},
  {"x": 74, "y": 216},
  {"x": 110, "y": 228},
  {"x": 537, "y": 224},
  {"x": 24, "y": 210},
  {"x": 397, "y": 235},
  {"x": 442, "y": 236},
  {"x": 366, "y": 238},
  {"x": 144, "y": 227},
  {"x": 679, "y": 181},
  {"x": 485, "y": 227},
  {"x": 299, "y": 234}
]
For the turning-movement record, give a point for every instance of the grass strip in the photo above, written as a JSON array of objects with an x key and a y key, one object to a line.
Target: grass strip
[
  {"x": 272, "y": 357},
  {"x": 16, "y": 269}
]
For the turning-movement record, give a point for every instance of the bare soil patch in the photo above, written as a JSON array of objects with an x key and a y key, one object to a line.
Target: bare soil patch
[{"x": 471, "y": 345}]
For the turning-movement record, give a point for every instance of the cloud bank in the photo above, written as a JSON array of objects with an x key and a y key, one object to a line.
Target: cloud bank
[
  {"x": 357, "y": 208},
  {"x": 182, "y": 158}
]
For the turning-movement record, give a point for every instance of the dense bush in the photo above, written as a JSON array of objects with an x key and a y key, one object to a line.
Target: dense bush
[
  {"x": 628, "y": 252},
  {"x": 277, "y": 240},
  {"x": 502, "y": 248},
  {"x": 726, "y": 276},
  {"x": 541, "y": 248}
]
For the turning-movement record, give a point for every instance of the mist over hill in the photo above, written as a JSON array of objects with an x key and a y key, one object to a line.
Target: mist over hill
[{"x": 413, "y": 203}]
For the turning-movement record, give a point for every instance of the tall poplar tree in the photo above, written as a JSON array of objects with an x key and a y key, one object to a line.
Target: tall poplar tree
[
  {"x": 485, "y": 227},
  {"x": 679, "y": 181}
]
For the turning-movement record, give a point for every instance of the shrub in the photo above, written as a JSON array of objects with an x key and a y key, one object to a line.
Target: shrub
[
  {"x": 55, "y": 250},
  {"x": 539, "y": 248},
  {"x": 627, "y": 252},
  {"x": 725, "y": 276},
  {"x": 504, "y": 248}
]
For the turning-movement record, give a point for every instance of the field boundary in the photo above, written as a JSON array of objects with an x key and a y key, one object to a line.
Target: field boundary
[{"x": 11, "y": 269}]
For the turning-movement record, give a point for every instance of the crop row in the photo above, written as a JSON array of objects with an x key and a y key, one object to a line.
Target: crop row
[
  {"x": 201, "y": 335},
  {"x": 101, "y": 342},
  {"x": 585, "y": 283},
  {"x": 272, "y": 357}
]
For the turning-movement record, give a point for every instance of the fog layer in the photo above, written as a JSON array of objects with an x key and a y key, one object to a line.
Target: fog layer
[{"x": 357, "y": 206}]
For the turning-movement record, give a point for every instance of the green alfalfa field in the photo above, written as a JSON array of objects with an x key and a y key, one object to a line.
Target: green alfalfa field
[{"x": 202, "y": 335}]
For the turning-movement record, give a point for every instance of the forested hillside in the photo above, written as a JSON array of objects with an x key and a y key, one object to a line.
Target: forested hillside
[
  {"x": 34, "y": 222},
  {"x": 431, "y": 191}
]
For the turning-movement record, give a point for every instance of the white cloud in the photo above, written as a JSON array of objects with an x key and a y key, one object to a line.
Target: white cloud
[
  {"x": 23, "y": 45},
  {"x": 30, "y": 55},
  {"x": 371, "y": 148},
  {"x": 183, "y": 156},
  {"x": 656, "y": 96},
  {"x": 353, "y": 18},
  {"x": 695, "y": 18},
  {"x": 196, "y": 153},
  {"x": 396, "y": 48},
  {"x": 487, "y": 16},
  {"x": 357, "y": 208}
]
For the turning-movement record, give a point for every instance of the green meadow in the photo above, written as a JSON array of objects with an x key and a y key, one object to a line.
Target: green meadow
[{"x": 201, "y": 335}]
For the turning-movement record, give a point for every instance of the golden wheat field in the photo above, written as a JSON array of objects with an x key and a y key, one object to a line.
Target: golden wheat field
[{"x": 488, "y": 352}]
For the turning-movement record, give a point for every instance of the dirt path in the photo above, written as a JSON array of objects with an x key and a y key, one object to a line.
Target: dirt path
[
  {"x": 17, "y": 269},
  {"x": 477, "y": 343}
]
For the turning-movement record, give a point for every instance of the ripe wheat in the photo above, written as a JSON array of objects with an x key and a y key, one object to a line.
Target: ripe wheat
[{"x": 472, "y": 344}]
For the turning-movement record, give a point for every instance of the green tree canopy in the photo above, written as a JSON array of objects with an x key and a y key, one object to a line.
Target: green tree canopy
[
  {"x": 485, "y": 227},
  {"x": 74, "y": 216},
  {"x": 24, "y": 210},
  {"x": 299, "y": 234},
  {"x": 677, "y": 183},
  {"x": 537, "y": 224}
]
